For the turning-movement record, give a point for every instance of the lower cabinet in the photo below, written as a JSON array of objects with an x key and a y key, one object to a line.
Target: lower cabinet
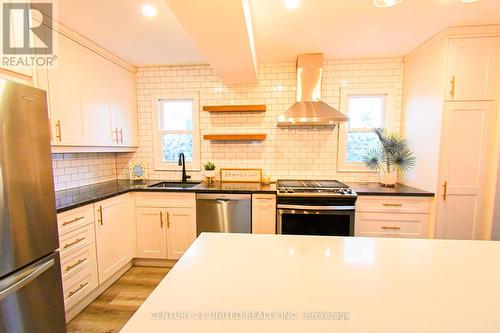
[
  {"x": 263, "y": 214},
  {"x": 392, "y": 216},
  {"x": 181, "y": 231},
  {"x": 114, "y": 234},
  {"x": 78, "y": 254},
  {"x": 151, "y": 233},
  {"x": 166, "y": 224}
]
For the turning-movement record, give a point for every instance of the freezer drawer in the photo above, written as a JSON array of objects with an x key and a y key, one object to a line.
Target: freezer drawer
[
  {"x": 31, "y": 299},
  {"x": 223, "y": 213}
]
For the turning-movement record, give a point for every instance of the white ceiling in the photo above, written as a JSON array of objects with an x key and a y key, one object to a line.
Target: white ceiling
[
  {"x": 120, "y": 27},
  {"x": 355, "y": 28},
  {"x": 338, "y": 28}
]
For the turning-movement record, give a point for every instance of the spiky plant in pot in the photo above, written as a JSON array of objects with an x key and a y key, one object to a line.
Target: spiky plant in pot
[{"x": 393, "y": 156}]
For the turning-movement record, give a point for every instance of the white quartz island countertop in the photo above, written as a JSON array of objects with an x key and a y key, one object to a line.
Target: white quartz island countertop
[{"x": 277, "y": 283}]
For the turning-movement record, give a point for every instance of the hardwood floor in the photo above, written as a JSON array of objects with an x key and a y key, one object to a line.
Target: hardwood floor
[{"x": 111, "y": 310}]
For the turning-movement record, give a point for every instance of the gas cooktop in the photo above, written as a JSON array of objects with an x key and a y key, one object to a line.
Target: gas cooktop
[{"x": 313, "y": 188}]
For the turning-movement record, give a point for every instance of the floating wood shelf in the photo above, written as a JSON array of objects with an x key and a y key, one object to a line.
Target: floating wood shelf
[
  {"x": 234, "y": 108},
  {"x": 235, "y": 137}
]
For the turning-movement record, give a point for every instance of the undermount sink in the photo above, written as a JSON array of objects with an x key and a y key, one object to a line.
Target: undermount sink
[{"x": 175, "y": 184}]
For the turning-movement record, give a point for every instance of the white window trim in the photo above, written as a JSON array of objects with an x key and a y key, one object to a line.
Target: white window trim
[
  {"x": 159, "y": 164},
  {"x": 390, "y": 112}
]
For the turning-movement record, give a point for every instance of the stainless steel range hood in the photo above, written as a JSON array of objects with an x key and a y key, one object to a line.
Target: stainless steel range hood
[{"x": 309, "y": 110}]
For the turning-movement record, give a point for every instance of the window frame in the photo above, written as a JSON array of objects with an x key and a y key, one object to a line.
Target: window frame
[
  {"x": 159, "y": 164},
  {"x": 389, "y": 122}
]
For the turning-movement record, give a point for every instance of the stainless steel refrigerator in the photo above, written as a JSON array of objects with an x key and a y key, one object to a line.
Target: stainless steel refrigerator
[{"x": 31, "y": 298}]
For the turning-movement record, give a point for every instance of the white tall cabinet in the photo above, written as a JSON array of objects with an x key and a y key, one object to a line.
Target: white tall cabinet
[{"x": 451, "y": 93}]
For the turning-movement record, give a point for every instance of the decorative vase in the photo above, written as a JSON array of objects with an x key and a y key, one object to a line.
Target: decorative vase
[
  {"x": 388, "y": 178},
  {"x": 210, "y": 176}
]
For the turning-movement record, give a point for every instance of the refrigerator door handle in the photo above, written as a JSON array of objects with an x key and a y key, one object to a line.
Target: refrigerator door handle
[{"x": 18, "y": 281}]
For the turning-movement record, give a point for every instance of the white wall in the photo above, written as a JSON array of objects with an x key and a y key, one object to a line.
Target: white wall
[{"x": 287, "y": 153}]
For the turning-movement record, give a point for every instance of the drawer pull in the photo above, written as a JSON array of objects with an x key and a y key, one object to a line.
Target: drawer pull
[
  {"x": 70, "y": 267},
  {"x": 73, "y": 220},
  {"x": 73, "y": 243},
  {"x": 71, "y": 293},
  {"x": 392, "y": 205},
  {"x": 386, "y": 227}
]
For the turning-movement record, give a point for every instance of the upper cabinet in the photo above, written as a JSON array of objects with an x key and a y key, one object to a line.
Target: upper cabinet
[
  {"x": 92, "y": 100},
  {"x": 66, "y": 81},
  {"x": 471, "y": 65},
  {"x": 125, "y": 108}
]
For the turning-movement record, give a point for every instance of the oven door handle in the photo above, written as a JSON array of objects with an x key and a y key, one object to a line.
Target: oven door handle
[{"x": 316, "y": 208}]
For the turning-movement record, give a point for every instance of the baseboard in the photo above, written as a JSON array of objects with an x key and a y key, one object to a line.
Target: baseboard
[
  {"x": 144, "y": 262},
  {"x": 84, "y": 302}
]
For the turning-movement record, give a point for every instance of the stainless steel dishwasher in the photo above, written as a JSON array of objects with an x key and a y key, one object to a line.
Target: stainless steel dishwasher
[{"x": 223, "y": 212}]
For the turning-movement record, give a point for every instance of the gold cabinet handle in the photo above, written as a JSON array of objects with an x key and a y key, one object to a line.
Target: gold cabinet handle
[
  {"x": 392, "y": 205},
  {"x": 71, "y": 293},
  {"x": 390, "y": 227},
  {"x": 73, "y": 243},
  {"x": 121, "y": 135},
  {"x": 452, "y": 87},
  {"x": 79, "y": 262},
  {"x": 58, "y": 130},
  {"x": 115, "y": 133},
  {"x": 445, "y": 190},
  {"x": 73, "y": 220},
  {"x": 99, "y": 215},
  {"x": 161, "y": 219},
  {"x": 168, "y": 220}
]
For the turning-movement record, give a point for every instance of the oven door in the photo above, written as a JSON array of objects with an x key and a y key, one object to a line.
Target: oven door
[{"x": 316, "y": 220}]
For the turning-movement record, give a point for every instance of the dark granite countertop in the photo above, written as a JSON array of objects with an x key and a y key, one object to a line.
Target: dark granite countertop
[
  {"x": 398, "y": 190},
  {"x": 83, "y": 195}
]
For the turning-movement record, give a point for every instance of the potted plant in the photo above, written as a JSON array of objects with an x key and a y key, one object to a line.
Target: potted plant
[
  {"x": 393, "y": 156},
  {"x": 209, "y": 169}
]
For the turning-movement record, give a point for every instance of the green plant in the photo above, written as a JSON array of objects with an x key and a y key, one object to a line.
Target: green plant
[
  {"x": 393, "y": 154},
  {"x": 209, "y": 166}
]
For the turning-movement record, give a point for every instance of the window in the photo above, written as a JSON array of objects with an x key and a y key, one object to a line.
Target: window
[
  {"x": 367, "y": 109},
  {"x": 176, "y": 130}
]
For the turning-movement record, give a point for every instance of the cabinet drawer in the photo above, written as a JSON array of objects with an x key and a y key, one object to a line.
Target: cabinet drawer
[
  {"x": 75, "y": 218},
  {"x": 76, "y": 240},
  {"x": 391, "y": 225},
  {"x": 79, "y": 285},
  {"x": 393, "y": 204},
  {"x": 171, "y": 199},
  {"x": 78, "y": 261}
]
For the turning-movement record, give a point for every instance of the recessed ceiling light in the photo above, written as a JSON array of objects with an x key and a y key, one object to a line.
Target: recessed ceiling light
[
  {"x": 148, "y": 10},
  {"x": 385, "y": 3},
  {"x": 291, "y": 4}
]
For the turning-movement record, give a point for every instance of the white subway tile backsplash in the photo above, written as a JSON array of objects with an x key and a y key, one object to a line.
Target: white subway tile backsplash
[{"x": 286, "y": 153}]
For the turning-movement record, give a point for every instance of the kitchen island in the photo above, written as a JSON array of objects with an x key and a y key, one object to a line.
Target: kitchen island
[{"x": 280, "y": 283}]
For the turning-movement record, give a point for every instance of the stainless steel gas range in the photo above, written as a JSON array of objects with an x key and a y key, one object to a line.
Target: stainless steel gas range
[{"x": 315, "y": 207}]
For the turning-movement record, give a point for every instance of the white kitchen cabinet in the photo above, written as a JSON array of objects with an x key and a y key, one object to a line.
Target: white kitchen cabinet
[
  {"x": 68, "y": 117},
  {"x": 471, "y": 65},
  {"x": 181, "y": 231},
  {"x": 263, "y": 214},
  {"x": 114, "y": 234},
  {"x": 92, "y": 100},
  {"x": 125, "y": 108},
  {"x": 98, "y": 99},
  {"x": 392, "y": 216},
  {"x": 466, "y": 158},
  {"x": 151, "y": 233},
  {"x": 178, "y": 214}
]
